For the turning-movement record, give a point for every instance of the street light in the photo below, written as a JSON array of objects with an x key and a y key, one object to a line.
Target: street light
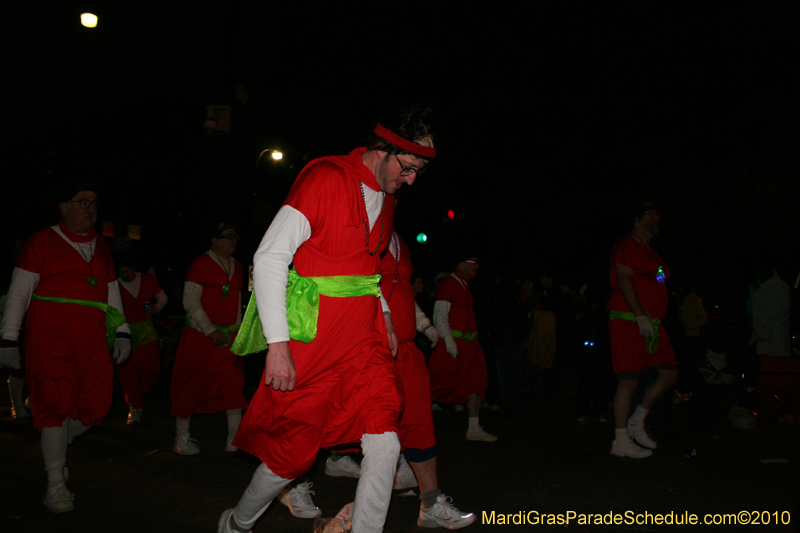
[
  {"x": 89, "y": 20},
  {"x": 276, "y": 155}
]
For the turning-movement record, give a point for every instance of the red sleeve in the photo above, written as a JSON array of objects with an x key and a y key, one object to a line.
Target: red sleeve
[
  {"x": 150, "y": 286},
  {"x": 623, "y": 253},
  {"x": 447, "y": 290},
  {"x": 31, "y": 258},
  {"x": 198, "y": 271}
]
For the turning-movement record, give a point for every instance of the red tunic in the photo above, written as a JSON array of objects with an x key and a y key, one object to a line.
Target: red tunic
[
  {"x": 453, "y": 380},
  {"x": 346, "y": 382},
  {"x": 207, "y": 378},
  {"x": 140, "y": 371},
  {"x": 416, "y": 422},
  {"x": 68, "y": 365},
  {"x": 628, "y": 348}
]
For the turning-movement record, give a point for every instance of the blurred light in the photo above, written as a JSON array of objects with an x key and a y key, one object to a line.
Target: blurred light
[
  {"x": 450, "y": 214},
  {"x": 276, "y": 155},
  {"x": 422, "y": 238},
  {"x": 88, "y": 20}
]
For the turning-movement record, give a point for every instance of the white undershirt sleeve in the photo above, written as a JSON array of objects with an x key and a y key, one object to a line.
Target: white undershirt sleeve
[
  {"x": 421, "y": 320},
  {"x": 115, "y": 301},
  {"x": 23, "y": 283},
  {"x": 191, "y": 303},
  {"x": 161, "y": 301},
  {"x": 288, "y": 231},
  {"x": 441, "y": 318}
]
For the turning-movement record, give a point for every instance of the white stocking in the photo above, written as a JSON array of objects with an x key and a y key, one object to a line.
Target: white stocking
[
  {"x": 374, "y": 491},
  {"x": 263, "y": 488}
]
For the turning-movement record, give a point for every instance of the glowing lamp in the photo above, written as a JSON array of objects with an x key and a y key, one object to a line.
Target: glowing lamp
[
  {"x": 422, "y": 238},
  {"x": 89, "y": 20},
  {"x": 276, "y": 155}
]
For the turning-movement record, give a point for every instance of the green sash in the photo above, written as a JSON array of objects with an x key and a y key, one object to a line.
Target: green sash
[
  {"x": 652, "y": 342},
  {"x": 114, "y": 318},
  {"x": 302, "y": 307},
  {"x": 466, "y": 336},
  {"x": 142, "y": 333},
  {"x": 227, "y": 330}
]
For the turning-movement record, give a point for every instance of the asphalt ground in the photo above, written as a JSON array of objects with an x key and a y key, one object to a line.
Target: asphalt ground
[{"x": 127, "y": 479}]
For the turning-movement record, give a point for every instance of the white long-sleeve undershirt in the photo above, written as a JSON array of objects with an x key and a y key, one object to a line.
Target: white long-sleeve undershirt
[
  {"x": 288, "y": 231},
  {"x": 191, "y": 300}
]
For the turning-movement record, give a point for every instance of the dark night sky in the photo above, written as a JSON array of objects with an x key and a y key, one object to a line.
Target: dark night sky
[{"x": 551, "y": 119}]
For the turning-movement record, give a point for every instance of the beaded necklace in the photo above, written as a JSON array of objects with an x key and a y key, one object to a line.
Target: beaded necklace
[
  {"x": 396, "y": 265},
  {"x": 383, "y": 217},
  {"x": 661, "y": 276},
  {"x": 91, "y": 280}
]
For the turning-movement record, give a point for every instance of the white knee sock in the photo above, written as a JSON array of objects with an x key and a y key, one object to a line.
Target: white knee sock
[
  {"x": 473, "y": 423},
  {"x": 263, "y": 488},
  {"x": 54, "y": 450},
  {"x": 234, "y": 418},
  {"x": 182, "y": 426},
  {"x": 75, "y": 428},
  {"x": 638, "y": 416},
  {"x": 374, "y": 491}
]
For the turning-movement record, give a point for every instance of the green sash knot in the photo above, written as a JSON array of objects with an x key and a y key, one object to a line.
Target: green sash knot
[
  {"x": 227, "y": 330},
  {"x": 466, "y": 336},
  {"x": 114, "y": 318},
  {"x": 142, "y": 333},
  {"x": 652, "y": 342},
  {"x": 302, "y": 307}
]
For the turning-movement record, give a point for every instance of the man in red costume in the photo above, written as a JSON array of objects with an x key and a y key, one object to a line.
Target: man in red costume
[
  {"x": 416, "y": 423},
  {"x": 457, "y": 366},
  {"x": 637, "y": 305},
  {"x": 207, "y": 377},
  {"x": 65, "y": 280},
  {"x": 334, "y": 382},
  {"x": 142, "y": 297}
]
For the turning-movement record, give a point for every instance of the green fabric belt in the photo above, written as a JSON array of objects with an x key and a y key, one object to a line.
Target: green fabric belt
[
  {"x": 466, "y": 336},
  {"x": 114, "y": 318},
  {"x": 652, "y": 342},
  {"x": 302, "y": 307},
  {"x": 227, "y": 330},
  {"x": 142, "y": 333}
]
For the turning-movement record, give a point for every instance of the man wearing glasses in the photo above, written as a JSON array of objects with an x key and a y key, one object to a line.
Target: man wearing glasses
[
  {"x": 65, "y": 281},
  {"x": 457, "y": 366},
  {"x": 207, "y": 377},
  {"x": 330, "y": 377}
]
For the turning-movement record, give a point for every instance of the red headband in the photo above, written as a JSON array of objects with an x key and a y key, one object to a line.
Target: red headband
[{"x": 406, "y": 145}]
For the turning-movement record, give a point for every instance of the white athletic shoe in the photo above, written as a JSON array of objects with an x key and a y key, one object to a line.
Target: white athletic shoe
[
  {"x": 344, "y": 467},
  {"x": 224, "y": 524},
  {"x": 444, "y": 514},
  {"x": 186, "y": 446},
  {"x": 436, "y": 407},
  {"x": 298, "y": 500},
  {"x": 480, "y": 435},
  {"x": 404, "y": 478},
  {"x": 637, "y": 433},
  {"x": 459, "y": 408},
  {"x": 59, "y": 499},
  {"x": 229, "y": 447},
  {"x": 625, "y": 447},
  {"x": 134, "y": 416}
]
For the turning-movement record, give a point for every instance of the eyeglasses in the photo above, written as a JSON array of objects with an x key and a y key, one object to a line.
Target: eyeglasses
[
  {"x": 407, "y": 171},
  {"x": 471, "y": 262},
  {"x": 84, "y": 203},
  {"x": 229, "y": 236}
]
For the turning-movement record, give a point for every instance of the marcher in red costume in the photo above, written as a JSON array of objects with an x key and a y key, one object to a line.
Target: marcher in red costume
[
  {"x": 416, "y": 423},
  {"x": 142, "y": 297},
  {"x": 457, "y": 366},
  {"x": 637, "y": 305},
  {"x": 207, "y": 377},
  {"x": 338, "y": 385},
  {"x": 65, "y": 280}
]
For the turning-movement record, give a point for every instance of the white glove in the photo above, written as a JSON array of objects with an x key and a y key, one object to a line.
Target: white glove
[
  {"x": 452, "y": 349},
  {"x": 645, "y": 327},
  {"x": 433, "y": 335},
  {"x": 9, "y": 357},
  {"x": 122, "y": 349}
]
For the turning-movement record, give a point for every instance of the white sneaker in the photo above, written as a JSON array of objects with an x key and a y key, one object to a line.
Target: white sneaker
[
  {"x": 444, "y": 514},
  {"x": 637, "y": 433},
  {"x": 627, "y": 448},
  {"x": 229, "y": 447},
  {"x": 480, "y": 435},
  {"x": 344, "y": 467},
  {"x": 404, "y": 478},
  {"x": 436, "y": 407},
  {"x": 224, "y": 524},
  {"x": 186, "y": 446},
  {"x": 59, "y": 499},
  {"x": 459, "y": 408},
  {"x": 134, "y": 416},
  {"x": 298, "y": 500}
]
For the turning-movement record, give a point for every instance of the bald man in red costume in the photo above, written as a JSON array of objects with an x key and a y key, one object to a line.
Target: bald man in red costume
[
  {"x": 65, "y": 281},
  {"x": 416, "y": 422},
  {"x": 329, "y": 377}
]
